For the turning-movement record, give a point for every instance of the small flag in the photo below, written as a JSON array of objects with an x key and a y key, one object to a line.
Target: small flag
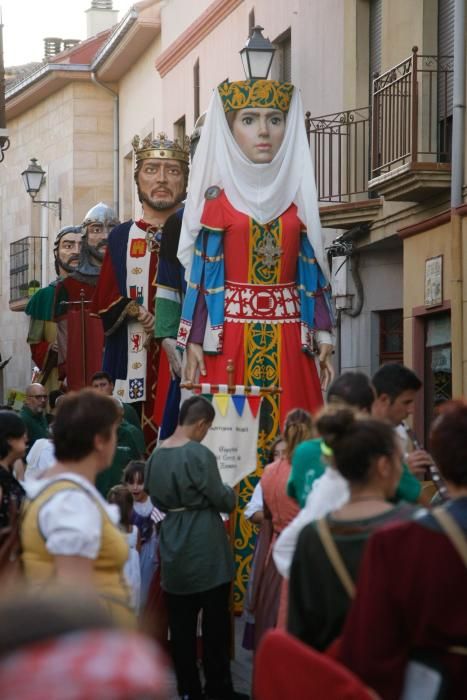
[
  {"x": 254, "y": 402},
  {"x": 239, "y": 403},
  {"x": 222, "y": 401}
]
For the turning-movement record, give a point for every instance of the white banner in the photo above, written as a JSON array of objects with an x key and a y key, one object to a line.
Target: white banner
[{"x": 233, "y": 436}]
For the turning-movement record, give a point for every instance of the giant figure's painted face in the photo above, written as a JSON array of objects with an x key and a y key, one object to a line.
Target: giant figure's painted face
[
  {"x": 259, "y": 131},
  {"x": 69, "y": 247},
  {"x": 161, "y": 183}
]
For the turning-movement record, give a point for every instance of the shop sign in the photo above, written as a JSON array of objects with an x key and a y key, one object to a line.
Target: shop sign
[{"x": 434, "y": 281}]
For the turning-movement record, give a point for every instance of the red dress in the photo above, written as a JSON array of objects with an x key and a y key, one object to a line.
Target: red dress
[{"x": 264, "y": 353}]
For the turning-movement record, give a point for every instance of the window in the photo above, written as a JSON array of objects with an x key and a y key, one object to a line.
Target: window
[
  {"x": 390, "y": 336},
  {"x": 196, "y": 91},
  {"x": 25, "y": 268},
  {"x": 438, "y": 369},
  {"x": 180, "y": 129}
]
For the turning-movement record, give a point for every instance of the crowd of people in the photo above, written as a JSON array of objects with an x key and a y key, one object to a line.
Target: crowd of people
[{"x": 107, "y": 490}]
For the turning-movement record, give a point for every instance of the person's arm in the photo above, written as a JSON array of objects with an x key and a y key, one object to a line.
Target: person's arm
[
  {"x": 284, "y": 548},
  {"x": 207, "y": 478},
  {"x": 254, "y": 509},
  {"x": 71, "y": 525}
]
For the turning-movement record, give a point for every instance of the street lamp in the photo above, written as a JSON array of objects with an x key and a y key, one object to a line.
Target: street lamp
[
  {"x": 257, "y": 55},
  {"x": 34, "y": 178}
]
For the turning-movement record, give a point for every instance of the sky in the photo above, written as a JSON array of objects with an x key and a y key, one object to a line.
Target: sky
[{"x": 27, "y": 22}]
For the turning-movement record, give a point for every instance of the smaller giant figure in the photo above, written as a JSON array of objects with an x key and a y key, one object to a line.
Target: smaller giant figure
[
  {"x": 42, "y": 334},
  {"x": 80, "y": 337},
  {"x": 125, "y": 296}
]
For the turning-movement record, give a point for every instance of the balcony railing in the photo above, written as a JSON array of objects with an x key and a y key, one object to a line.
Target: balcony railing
[
  {"x": 340, "y": 146},
  {"x": 410, "y": 113},
  {"x": 25, "y": 268}
]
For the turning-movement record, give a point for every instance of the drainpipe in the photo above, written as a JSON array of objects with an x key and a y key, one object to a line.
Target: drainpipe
[
  {"x": 116, "y": 150},
  {"x": 457, "y": 180}
]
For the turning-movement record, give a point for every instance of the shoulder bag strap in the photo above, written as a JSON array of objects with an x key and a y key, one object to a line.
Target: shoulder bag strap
[
  {"x": 335, "y": 558},
  {"x": 452, "y": 530}
]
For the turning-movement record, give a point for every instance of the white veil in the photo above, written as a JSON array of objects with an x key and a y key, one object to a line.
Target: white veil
[{"x": 261, "y": 191}]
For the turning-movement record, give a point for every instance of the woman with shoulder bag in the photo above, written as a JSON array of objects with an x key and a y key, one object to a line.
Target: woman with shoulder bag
[
  {"x": 406, "y": 634},
  {"x": 328, "y": 553}
]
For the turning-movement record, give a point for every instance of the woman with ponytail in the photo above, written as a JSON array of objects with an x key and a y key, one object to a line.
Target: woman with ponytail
[
  {"x": 328, "y": 553},
  {"x": 279, "y": 510}
]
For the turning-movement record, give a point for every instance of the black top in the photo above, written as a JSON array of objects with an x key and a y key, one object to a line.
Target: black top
[{"x": 11, "y": 490}]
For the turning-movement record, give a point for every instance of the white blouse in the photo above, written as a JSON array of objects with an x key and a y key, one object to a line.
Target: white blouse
[{"x": 70, "y": 521}]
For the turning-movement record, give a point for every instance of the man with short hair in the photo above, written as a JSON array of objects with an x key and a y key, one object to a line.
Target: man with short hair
[
  {"x": 102, "y": 381},
  {"x": 125, "y": 294},
  {"x": 197, "y": 568},
  {"x": 396, "y": 387},
  {"x": 33, "y": 413}
]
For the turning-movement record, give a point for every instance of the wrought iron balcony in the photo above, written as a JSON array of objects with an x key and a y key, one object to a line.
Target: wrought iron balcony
[
  {"x": 399, "y": 147},
  {"x": 340, "y": 145},
  {"x": 411, "y": 128},
  {"x": 25, "y": 270}
]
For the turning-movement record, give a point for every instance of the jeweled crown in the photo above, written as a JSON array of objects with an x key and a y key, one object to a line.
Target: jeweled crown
[
  {"x": 161, "y": 147},
  {"x": 256, "y": 93}
]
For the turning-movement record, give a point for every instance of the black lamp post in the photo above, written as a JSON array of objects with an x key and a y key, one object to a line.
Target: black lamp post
[
  {"x": 257, "y": 55},
  {"x": 34, "y": 178}
]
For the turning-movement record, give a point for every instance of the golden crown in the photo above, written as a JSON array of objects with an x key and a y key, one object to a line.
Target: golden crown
[
  {"x": 256, "y": 93},
  {"x": 161, "y": 147}
]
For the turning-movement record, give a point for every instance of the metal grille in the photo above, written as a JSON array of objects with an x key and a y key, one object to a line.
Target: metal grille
[
  {"x": 340, "y": 149},
  {"x": 25, "y": 267},
  {"x": 405, "y": 124}
]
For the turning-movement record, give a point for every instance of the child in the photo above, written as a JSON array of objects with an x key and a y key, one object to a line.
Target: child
[
  {"x": 121, "y": 496},
  {"x": 143, "y": 518}
]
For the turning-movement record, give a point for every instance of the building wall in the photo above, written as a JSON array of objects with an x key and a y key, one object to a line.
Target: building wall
[
  {"x": 140, "y": 113},
  {"x": 381, "y": 275},
  {"x": 316, "y": 70},
  {"x": 70, "y": 134},
  {"x": 417, "y": 249}
]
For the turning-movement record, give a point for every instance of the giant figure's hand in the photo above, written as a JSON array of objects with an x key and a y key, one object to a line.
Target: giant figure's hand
[
  {"x": 173, "y": 356},
  {"x": 147, "y": 320},
  {"x": 326, "y": 370},
  {"x": 194, "y": 362}
]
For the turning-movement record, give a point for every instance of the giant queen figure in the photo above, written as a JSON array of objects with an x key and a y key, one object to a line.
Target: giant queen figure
[{"x": 251, "y": 242}]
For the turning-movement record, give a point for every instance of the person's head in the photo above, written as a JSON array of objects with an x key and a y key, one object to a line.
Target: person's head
[
  {"x": 196, "y": 417},
  {"x": 278, "y": 450},
  {"x": 352, "y": 389},
  {"x": 448, "y": 445},
  {"x": 36, "y": 398},
  {"x": 365, "y": 450},
  {"x": 102, "y": 381},
  {"x": 54, "y": 397},
  {"x": 13, "y": 436},
  {"x": 256, "y": 112},
  {"x": 97, "y": 224},
  {"x": 161, "y": 172},
  {"x": 298, "y": 427},
  {"x": 122, "y": 497},
  {"x": 396, "y": 387},
  {"x": 86, "y": 427},
  {"x": 67, "y": 249},
  {"x": 133, "y": 478}
]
